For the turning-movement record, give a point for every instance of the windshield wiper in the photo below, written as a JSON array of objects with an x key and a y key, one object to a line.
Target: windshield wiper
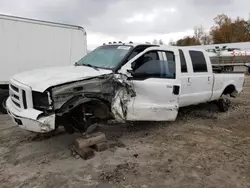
[{"x": 88, "y": 65}]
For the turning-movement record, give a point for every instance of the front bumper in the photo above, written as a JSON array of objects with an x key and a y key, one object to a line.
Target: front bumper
[{"x": 31, "y": 119}]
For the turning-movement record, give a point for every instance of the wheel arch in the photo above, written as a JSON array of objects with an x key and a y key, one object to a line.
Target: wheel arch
[
  {"x": 100, "y": 107},
  {"x": 230, "y": 90}
]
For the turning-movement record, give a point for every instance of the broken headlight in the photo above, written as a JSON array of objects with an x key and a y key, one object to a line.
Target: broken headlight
[{"x": 41, "y": 101}]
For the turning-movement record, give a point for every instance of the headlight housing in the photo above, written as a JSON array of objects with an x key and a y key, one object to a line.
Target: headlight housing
[{"x": 41, "y": 101}]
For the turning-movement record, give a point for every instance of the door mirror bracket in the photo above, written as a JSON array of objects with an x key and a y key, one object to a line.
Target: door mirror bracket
[{"x": 130, "y": 71}]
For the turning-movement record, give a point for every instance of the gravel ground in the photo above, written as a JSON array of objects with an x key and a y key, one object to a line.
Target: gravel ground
[{"x": 202, "y": 148}]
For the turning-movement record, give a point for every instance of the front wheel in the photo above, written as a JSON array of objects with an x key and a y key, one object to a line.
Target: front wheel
[{"x": 224, "y": 103}]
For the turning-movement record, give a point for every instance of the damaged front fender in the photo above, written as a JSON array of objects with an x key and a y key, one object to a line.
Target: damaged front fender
[
  {"x": 123, "y": 95},
  {"x": 113, "y": 89},
  {"x": 118, "y": 107}
]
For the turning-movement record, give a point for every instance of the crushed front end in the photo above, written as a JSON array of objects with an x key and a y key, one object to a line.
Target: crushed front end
[{"x": 75, "y": 105}]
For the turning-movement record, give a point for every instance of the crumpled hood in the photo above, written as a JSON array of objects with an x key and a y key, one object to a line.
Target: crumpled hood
[{"x": 41, "y": 79}]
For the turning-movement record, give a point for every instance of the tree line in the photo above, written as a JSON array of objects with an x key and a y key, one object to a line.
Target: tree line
[{"x": 224, "y": 30}]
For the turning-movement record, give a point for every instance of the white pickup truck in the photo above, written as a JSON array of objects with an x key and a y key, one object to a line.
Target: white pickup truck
[{"x": 126, "y": 82}]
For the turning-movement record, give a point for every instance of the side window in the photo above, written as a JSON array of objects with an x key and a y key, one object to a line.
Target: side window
[
  {"x": 170, "y": 56},
  {"x": 170, "y": 64},
  {"x": 183, "y": 62},
  {"x": 198, "y": 61},
  {"x": 153, "y": 67},
  {"x": 152, "y": 55}
]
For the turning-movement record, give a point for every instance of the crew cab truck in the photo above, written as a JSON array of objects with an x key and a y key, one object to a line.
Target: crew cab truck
[{"x": 123, "y": 81}]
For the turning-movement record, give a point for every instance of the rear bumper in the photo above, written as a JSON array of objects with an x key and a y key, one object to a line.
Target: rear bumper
[{"x": 25, "y": 119}]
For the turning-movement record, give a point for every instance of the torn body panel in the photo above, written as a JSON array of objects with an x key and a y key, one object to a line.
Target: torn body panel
[
  {"x": 102, "y": 87},
  {"x": 119, "y": 105},
  {"x": 98, "y": 88}
]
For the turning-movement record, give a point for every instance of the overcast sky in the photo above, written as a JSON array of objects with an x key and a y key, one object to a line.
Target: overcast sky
[{"x": 136, "y": 20}]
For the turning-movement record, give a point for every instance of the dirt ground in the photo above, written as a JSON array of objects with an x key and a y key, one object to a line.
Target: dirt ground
[{"x": 203, "y": 148}]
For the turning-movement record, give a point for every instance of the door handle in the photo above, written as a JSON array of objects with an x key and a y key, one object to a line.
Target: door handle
[{"x": 189, "y": 81}]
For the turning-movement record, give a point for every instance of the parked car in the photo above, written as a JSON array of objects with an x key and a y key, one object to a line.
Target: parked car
[
  {"x": 126, "y": 82},
  {"x": 28, "y": 44}
]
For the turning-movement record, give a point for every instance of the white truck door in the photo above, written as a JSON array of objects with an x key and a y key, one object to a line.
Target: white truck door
[
  {"x": 156, "y": 86},
  {"x": 201, "y": 79}
]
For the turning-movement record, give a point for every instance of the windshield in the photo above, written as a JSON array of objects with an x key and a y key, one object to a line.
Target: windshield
[{"x": 107, "y": 57}]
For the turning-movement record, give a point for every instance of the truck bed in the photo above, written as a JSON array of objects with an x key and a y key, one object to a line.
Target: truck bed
[{"x": 223, "y": 80}]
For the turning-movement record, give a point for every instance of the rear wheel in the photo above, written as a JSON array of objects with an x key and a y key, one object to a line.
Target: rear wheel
[{"x": 224, "y": 103}]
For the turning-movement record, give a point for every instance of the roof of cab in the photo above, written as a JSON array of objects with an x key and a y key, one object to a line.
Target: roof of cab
[
  {"x": 128, "y": 44},
  {"x": 160, "y": 46}
]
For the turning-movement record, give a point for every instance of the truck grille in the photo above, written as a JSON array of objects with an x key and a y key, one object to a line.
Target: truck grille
[{"x": 18, "y": 96}]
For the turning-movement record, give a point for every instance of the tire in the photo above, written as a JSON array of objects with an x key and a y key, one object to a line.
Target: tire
[
  {"x": 231, "y": 69},
  {"x": 3, "y": 100},
  {"x": 223, "y": 104}
]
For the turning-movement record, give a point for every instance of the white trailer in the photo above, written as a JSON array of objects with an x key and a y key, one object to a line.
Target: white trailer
[{"x": 27, "y": 44}]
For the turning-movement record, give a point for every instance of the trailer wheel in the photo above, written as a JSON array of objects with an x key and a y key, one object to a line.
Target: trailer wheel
[
  {"x": 231, "y": 69},
  {"x": 224, "y": 104}
]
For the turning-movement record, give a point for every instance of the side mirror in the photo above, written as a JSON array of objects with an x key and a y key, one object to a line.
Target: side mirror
[
  {"x": 130, "y": 71},
  {"x": 133, "y": 65},
  {"x": 135, "y": 74}
]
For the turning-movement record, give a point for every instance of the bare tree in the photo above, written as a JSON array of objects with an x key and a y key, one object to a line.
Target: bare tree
[
  {"x": 171, "y": 42},
  {"x": 161, "y": 42},
  {"x": 206, "y": 39},
  {"x": 198, "y": 32},
  {"x": 155, "y": 41}
]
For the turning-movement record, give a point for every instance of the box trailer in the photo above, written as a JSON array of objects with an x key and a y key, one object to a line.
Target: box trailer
[{"x": 27, "y": 44}]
